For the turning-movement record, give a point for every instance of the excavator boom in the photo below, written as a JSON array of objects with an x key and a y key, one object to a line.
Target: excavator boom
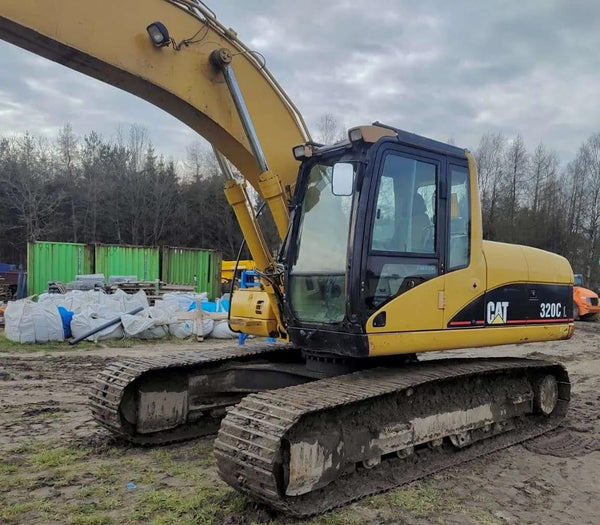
[{"x": 108, "y": 41}]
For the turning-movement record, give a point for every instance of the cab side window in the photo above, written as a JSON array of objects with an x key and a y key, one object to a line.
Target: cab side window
[{"x": 460, "y": 218}]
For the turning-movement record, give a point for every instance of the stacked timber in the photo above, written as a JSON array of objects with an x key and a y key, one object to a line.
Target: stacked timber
[{"x": 153, "y": 289}]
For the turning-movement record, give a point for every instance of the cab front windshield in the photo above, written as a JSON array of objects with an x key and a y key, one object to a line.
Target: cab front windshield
[{"x": 318, "y": 273}]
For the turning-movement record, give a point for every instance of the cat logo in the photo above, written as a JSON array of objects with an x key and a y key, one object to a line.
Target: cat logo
[{"x": 497, "y": 312}]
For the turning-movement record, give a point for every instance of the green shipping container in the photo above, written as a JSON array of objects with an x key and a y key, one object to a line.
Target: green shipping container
[
  {"x": 201, "y": 268},
  {"x": 141, "y": 261},
  {"x": 56, "y": 261}
]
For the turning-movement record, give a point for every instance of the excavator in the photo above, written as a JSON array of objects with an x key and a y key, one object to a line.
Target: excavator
[{"x": 382, "y": 258}]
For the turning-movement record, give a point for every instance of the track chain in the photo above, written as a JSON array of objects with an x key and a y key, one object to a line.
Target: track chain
[
  {"x": 110, "y": 386},
  {"x": 249, "y": 442}
]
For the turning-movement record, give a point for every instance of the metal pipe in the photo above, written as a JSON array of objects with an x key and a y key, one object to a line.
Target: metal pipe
[
  {"x": 209, "y": 18},
  {"x": 103, "y": 326},
  {"x": 240, "y": 105},
  {"x": 221, "y": 58},
  {"x": 223, "y": 164}
]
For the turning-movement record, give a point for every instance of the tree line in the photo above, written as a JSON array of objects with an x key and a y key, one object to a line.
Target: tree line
[
  {"x": 118, "y": 191},
  {"x": 123, "y": 191},
  {"x": 528, "y": 198}
]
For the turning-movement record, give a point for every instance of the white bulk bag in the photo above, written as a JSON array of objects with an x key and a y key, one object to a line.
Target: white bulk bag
[
  {"x": 188, "y": 327},
  {"x": 92, "y": 316},
  {"x": 221, "y": 330},
  {"x": 143, "y": 326},
  {"x": 29, "y": 322},
  {"x": 183, "y": 300}
]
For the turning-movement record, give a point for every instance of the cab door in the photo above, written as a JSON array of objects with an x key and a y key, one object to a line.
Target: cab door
[
  {"x": 465, "y": 282},
  {"x": 404, "y": 249}
]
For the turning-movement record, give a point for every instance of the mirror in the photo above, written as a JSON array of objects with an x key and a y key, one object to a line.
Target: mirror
[{"x": 342, "y": 179}]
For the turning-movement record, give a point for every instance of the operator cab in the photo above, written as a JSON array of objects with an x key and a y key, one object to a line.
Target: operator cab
[{"x": 373, "y": 217}]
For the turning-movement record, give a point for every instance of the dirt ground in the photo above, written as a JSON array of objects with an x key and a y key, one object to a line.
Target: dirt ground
[{"x": 57, "y": 466}]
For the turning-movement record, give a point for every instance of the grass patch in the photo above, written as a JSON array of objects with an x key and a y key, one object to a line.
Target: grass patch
[
  {"x": 106, "y": 473},
  {"x": 484, "y": 516},
  {"x": 175, "y": 503},
  {"x": 7, "y": 346},
  {"x": 337, "y": 517},
  {"x": 201, "y": 506},
  {"x": 11, "y": 346},
  {"x": 88, "y": 513},
  {"x": 8, "y": 468},
  {"x": 51, "y": 415},
  {"x": 417, "y": 501},
  {"x": 189, "y": 468},
  {"x": 64, "y": 476},
  {"x": 57, "y": 457},
  {"x": 146, "y": 477},
  {"x": 100, "y": 519},
  {"x": 13, "y": 512},
  {"x": 16, "y": 481},
  {"x": 172, "y": 518}
]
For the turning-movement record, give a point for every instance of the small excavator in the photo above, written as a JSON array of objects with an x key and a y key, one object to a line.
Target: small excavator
[{"x": 382, "y": 258}]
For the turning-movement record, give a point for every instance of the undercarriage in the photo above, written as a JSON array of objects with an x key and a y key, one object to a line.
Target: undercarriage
[{"x": 305, "y": 442}]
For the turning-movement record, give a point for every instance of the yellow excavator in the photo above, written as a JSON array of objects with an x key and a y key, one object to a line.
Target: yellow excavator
[{"x": 381, "y": 258}]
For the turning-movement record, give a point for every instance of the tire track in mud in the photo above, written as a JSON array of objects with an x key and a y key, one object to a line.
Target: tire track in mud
[
  {"x": 564, "y": 443},
  {"x": 45, "y": 397}
]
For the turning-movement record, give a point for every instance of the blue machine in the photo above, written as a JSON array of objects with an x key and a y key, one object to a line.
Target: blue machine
[{"x": 249, "y": 279}]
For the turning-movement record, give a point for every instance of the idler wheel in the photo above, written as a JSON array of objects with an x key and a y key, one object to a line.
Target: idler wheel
[
  {"x": 405, "y": 452},
  {"x": 545, "y": 395},
  {"x": 435, "y": 443},
  {"x": 371, "y": 462}
]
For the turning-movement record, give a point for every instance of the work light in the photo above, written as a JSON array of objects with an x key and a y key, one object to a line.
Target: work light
[{"x": 158, "y": 34}]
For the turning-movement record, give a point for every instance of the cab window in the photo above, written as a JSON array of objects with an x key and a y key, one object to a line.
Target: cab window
[
  {"x": 460, "y": 218},
  {"x": 403, "y": 237},
  {"x": 404, "y": 219}
]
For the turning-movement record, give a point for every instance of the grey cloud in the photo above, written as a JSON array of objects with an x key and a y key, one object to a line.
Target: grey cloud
[
  {"x": 445, "y": 69},
  {"x": 40, "y": 96}
]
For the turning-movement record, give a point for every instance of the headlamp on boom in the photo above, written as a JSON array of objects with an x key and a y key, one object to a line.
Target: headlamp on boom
[{"x": 159, "y": 34}]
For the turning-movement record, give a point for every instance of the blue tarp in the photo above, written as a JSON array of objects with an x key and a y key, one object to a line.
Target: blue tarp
[
  {"x": 220, "y": 305},
  {"x": 5, "y": 267},
  {"x": 66, "y": 317}
]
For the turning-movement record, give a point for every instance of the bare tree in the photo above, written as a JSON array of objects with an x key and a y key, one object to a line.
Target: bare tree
[
  {"x": 516, "y": 162},
  {"x": 589, "y": 159},
  {"x": 200, "y": 161},
  {"x": 489, "y": 155},
  {"x": 329, "y": 129},
  {"x": 139, "y": 142},
  {"x": 68, "y": 160},
  {"x": 543, "y": 165},
  {"x": 26, "y": 179}
]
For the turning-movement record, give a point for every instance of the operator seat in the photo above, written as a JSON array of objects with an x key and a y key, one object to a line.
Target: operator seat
[{"x": 422, "y": 227}]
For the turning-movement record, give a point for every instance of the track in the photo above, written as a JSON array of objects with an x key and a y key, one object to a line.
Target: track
[
  {"x": 252, "y": 447},
  {"x": 120, "y": 379}
]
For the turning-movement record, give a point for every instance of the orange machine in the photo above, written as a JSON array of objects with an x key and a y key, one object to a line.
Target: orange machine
[{"x": 585, "y": 302}]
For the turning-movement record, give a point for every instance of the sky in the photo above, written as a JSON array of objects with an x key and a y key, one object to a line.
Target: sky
[{"x": 447, "y": 70}]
